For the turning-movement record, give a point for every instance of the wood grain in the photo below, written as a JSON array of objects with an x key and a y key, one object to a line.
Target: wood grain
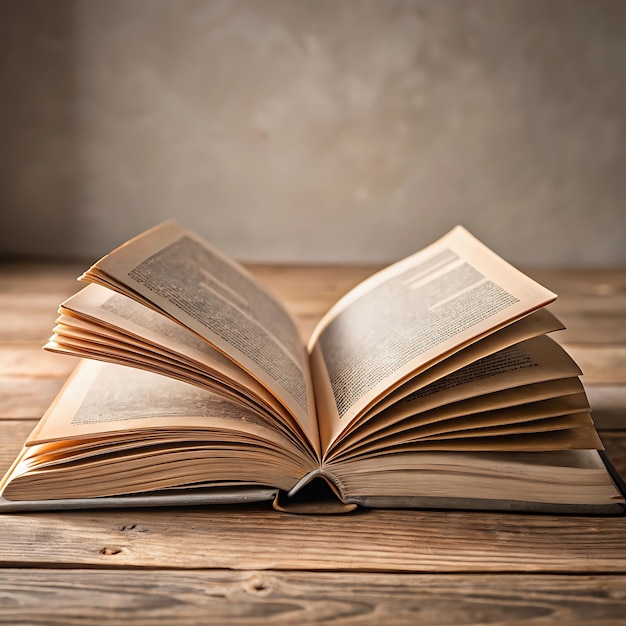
[
  {"x": 13, "y": 435},
  {"x": 23, "y": 398},
  {"x": 591, "y": 303},
  {"x": 257, "y": 537},
  {"x": 600, "y": 363},
  {"x": 89, "y": 597},
  {"x": 32, "y": 362},
  {"x": 590, "y": 282}
]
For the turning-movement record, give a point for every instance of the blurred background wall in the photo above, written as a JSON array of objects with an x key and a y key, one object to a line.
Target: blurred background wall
[{"x": 315, "y": 131}]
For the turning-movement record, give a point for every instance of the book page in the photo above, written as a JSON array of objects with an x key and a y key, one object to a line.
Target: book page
[
  {"x": 533, "y": 326},
  {"x": 103, "y": 398},
  {"x": 179, "y": 274},
  {"x": 572, "y": 476},
  {"x": 531, "y": 417},
  {"x": 119, "y": 430},
  {"x": 576, "y": 437},
  {"x": 407, "y": 318},
  {"x": 100, "y": 323},
  {"x": 501, "y": 380}
]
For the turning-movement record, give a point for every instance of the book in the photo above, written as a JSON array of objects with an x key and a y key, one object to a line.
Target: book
[{"x": 432, "y": 384}]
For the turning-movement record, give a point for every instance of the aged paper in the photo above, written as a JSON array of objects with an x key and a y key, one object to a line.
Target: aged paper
[
  {"x": 410, "y": 316},
  {"x": 537, "y": 368},
  {"x": 571, "y": 476},
  {"x": 101, "y": 323},
  {"x": 120, "y": 430},
  {"x": 175, "y": 272}
]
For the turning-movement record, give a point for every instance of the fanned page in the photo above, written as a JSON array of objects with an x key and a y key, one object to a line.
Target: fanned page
[
  {"x": 118, "y": 430},
  {"x": 518, "y": 386},
  {"x": 103, "y": 324},
  {"x": 407, "y": 318},
  {"x": 480, "y": 360},
  {"x": 173, "y": 271}
]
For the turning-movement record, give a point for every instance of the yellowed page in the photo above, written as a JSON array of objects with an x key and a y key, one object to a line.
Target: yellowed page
[
  {"x": 123, "y": 330},
  {"x": 553, "y": 361},
  {"x": 382, "y": 429},
  {"x": 576, "y": 438},
  {"x": 151, "y": 471},
  {"x": 410, "y": 316},
  {"x": 533, "y": 326},
  {"x": 105, "y": 410},
  {"x": 179, "y": 274},
  {"x": 551, "y": 477},
  {"x": 532, "y": 417},
  {"x": 101, "y": 399},
  {"x": 74, "y": 342},
  {"x": 535, "y": 360}
]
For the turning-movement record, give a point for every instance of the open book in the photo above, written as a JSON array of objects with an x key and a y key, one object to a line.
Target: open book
[{"x": 431, "y": 384}]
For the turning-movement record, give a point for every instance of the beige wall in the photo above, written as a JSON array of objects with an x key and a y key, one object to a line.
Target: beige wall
[{"x": 316, "y": 130}]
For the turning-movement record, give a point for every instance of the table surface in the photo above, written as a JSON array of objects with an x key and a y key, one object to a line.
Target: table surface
[{"x": 250, "y": 564}]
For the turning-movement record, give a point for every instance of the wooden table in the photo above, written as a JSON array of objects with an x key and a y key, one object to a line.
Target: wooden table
[{"x": 252, "y": 565}]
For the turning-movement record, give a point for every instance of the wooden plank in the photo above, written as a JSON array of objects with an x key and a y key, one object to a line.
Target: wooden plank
[
  {"x": 600, "y": 363},
  {"x": 225, "y": 597},
  {"x": 591, "y": 303},
  {"x": 591, "y": 307},
  {"x": 28, "y": 317},
  {"x": 13, "y": 434},
  {"x": 32, "y": 362},
  {"x": 24, "y": 398},
  {"x": 582, "y": 327},
  {"x": 30, "y": 293},
  {"x": 257, "y": 537},
  {"x": 588, "y": 283}
]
